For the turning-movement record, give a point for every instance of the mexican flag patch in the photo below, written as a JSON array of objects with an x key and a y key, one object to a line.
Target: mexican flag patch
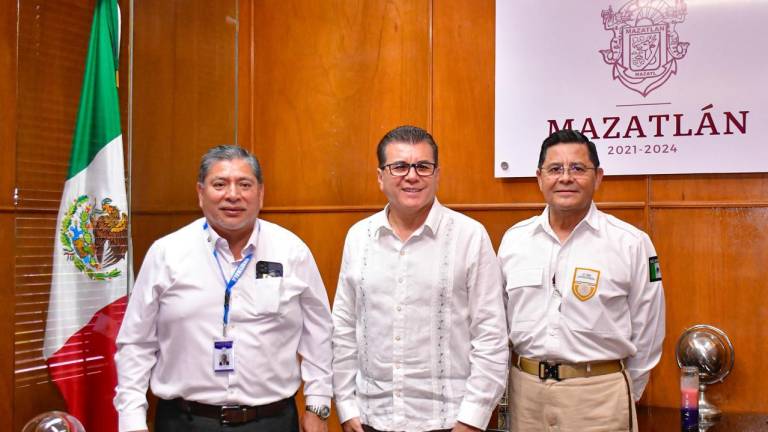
[{"x": 654, "y": 269}]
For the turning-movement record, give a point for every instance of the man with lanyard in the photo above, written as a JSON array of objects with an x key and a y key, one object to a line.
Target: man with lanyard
[
  {"x": 220, "y": 312},
  {"x": 585, "y": 302},
  {"x": 419, "y": 326}
]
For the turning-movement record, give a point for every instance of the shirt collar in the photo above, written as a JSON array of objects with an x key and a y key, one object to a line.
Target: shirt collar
[
  {"x": 591, "y": 219},
  {"x": 221, "y": 244},
  {"x": 431, "y": 224}
]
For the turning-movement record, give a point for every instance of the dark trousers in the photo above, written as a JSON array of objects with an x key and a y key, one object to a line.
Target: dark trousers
[
  {"x": 170, "y": 418},
  {"x": 367, "y": 428}
]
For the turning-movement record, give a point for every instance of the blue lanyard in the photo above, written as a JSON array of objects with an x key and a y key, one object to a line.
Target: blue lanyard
[
  {"x": 228, "y": 284},
  {"x": 232, "y": 281}
]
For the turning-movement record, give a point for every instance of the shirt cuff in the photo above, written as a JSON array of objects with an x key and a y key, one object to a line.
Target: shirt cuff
[
  {"x": 133, "y": 420},
  {"x": 474, "y": 414},
  {"x": 318, "y": 400},
  {"x": 347, "y": 409}
]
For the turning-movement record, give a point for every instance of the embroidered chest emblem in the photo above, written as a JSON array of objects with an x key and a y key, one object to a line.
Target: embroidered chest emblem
[{"x": 585, "y": 283}]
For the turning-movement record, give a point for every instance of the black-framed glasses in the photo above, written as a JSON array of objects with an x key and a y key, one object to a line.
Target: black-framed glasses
[
  {"x": 574, "y": 170},
  {"x": 401, "y": 169}
]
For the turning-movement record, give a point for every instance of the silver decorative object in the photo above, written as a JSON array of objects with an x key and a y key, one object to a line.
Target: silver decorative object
[
  {"x": 54, "y": 421},
  {"x": 709, "y": 349}
]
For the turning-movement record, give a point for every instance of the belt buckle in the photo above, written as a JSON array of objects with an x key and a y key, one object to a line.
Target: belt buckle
[
  {"x": 549, "y": 370},
  {"x": 227, "y": 409}
]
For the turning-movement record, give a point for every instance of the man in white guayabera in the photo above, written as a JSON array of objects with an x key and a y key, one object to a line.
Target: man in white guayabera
[{"x": 419, "y": 328}]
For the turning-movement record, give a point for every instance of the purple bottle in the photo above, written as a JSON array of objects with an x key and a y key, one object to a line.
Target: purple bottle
[{"x": 689, "y": 406}]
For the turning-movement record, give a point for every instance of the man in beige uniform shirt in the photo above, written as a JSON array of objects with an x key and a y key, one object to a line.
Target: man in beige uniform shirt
[{"x": 585, "y": 302}]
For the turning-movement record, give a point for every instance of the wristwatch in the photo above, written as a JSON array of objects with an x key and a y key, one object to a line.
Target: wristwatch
[{"x": 322, "y": 411}]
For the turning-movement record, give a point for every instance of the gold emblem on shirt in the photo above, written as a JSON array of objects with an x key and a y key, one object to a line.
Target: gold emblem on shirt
[{"x": 585, "y": 283}]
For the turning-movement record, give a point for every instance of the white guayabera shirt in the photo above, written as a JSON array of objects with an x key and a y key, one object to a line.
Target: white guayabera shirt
[{"x": 419, "y": 326}]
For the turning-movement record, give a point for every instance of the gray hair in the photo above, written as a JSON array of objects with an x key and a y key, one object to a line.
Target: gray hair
[{"x": 228, "y": 153}]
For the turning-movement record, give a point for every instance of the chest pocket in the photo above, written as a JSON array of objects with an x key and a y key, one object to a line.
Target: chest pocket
[
  {"x": 263, "y": 298},
  {"x": 527, "y": 296},
  {"x": 590, "y": 314},
  {"x": 582, "y": 315}
]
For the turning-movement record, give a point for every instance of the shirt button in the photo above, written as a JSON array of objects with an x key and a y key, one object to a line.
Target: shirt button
[
  {"x": 399, "y": 308},
  {"x": 400, "y": 280},
  {"x": 397, "y": 338}
]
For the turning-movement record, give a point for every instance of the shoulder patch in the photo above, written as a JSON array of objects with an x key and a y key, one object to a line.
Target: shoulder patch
[{"x": 654, "y": 269}]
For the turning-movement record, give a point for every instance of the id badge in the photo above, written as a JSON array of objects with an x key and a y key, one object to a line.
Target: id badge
[{"x": 223, "y": 355}]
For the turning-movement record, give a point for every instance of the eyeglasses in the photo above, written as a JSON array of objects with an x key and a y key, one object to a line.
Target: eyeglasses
[
  {"x": 401, "y": 169},
  {"x": 574, "y": 170}
]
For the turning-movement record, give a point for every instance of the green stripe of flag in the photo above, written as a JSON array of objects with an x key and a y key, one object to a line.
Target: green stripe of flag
[{"x": 98, "y": 115}]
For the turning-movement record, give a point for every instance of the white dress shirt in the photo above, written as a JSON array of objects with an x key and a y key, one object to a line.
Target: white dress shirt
[
  {"x": 419, "y": 328},
  {"x": 623, "y": 319},
  {"x": 176, "y": 311}
]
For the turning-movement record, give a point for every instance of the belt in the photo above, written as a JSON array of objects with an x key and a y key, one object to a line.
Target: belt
[
  {"x": 233, "y": 414},
  {"x": 561, "y": 371},
  {"x": 367, "y": 428}
]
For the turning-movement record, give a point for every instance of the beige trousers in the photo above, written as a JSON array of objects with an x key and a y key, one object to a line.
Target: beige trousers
[{"x": 601, "y": 403}]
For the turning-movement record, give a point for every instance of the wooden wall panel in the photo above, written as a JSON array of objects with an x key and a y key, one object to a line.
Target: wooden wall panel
[
  {"x": 634, "y": 216},
  {"x": 709, "y": 189},
  {"x": 714, "y": 273},
  {"x": 7, "y": 244},
  {"x": 184, "y": 96},
  {"x": 8, "y": 106},
  {"x": 463, "y": 119},
  {"x": 32, "y": 400},
  {"x": 184, "y": 91},
  {"x": 497, "y": 222},
  {"x": 244, "y": 84},
  {"x": 8, "y": 56},
  {"x": 149, "y": 227},
  {"x": 328, "y": 79}
]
